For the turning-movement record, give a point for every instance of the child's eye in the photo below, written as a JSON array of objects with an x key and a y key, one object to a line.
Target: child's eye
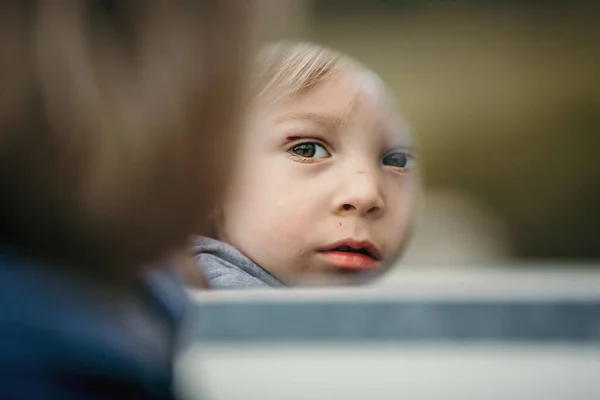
[
  {"x": 310, "y": 150},
  {"x": 399, "y": 159}
]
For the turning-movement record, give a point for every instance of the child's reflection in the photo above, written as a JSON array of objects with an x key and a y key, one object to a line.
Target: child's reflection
[{"x": 325, "y": 182}]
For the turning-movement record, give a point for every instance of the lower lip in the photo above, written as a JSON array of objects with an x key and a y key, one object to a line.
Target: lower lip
[{"x": 346, "y": 260}]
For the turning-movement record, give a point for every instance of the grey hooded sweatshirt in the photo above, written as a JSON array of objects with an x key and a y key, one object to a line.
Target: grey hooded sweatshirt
[{"x": 225, "y": 267}]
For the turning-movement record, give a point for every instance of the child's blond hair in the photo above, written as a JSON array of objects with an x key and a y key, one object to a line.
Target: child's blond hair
[{"x": 287, "y": 69}]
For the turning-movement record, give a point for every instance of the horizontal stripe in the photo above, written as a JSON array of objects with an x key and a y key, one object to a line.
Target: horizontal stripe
[{"x": 568, "y": 320}]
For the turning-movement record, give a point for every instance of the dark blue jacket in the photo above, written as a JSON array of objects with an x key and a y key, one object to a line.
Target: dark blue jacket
[{"x": 62, "y": 337}]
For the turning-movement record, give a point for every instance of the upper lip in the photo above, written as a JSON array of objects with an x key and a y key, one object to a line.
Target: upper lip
[{"x": 357, "y": 245}]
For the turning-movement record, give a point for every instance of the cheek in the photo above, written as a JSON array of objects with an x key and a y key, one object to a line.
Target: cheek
[
  {"x": 267, "y": 213},
  {"x": 285, "y": 222},
  {"x": 401, "y": 211},
  {"x": 273, "y": 234}
]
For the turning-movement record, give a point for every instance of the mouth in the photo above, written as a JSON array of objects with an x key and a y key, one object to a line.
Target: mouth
[{"x": 352, "y": 255}]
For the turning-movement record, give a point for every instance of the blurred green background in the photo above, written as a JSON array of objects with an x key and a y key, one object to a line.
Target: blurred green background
[{"x": 504, "y": 100}]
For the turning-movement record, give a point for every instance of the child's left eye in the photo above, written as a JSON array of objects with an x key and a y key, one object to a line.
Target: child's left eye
[
  {"x": 310, "y": 150},
  {"x": 399, "y": 159}
]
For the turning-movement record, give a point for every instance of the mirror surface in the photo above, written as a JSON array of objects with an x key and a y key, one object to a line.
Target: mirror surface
[{"x": 325, "y": 180}]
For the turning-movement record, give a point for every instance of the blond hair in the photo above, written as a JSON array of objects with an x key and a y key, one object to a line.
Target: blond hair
[
  {"x": 289, "y": 69},
  {"x": 112, "y": 117}
]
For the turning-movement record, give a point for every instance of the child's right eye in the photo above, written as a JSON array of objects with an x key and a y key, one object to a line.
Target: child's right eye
[{"x": 310, "y": 150}]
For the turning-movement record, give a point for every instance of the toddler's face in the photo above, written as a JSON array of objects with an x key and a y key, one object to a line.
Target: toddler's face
[{"x": 325, "y": 186}]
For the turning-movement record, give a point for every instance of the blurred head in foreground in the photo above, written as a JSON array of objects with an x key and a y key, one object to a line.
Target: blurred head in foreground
[
  {"x": 113, "y": 120},
  {"x": 114, "y": 116},
  {"x": 325, "y": 183}
]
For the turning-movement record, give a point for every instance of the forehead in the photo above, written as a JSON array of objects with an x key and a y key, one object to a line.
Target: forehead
[
  {"x": 345, "y": 93},
  {"x": 347, "y": 98}
]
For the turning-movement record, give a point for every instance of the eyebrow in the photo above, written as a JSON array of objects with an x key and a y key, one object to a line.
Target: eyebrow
[
  {"x": 330, "y": 122},
  {"x": 404, "y": 141},
  {"x": 334, "y": 122}
]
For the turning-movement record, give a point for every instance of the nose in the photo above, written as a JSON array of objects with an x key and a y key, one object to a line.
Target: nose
[{"x": 360, "y": 195}]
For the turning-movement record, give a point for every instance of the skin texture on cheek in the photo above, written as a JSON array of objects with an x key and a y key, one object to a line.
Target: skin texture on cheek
[{"x": 270, "y": 227}]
